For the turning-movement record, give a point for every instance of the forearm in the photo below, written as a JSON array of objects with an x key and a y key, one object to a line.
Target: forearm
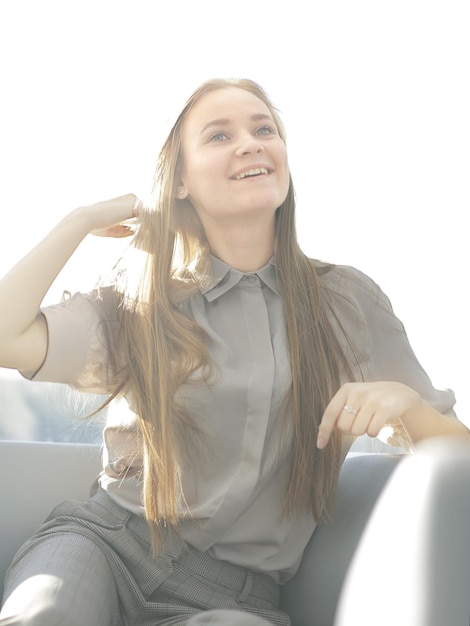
[
  {"x": 23, "y": 332},
  {"x": 24, "y": 287},
  {"x": 423, "y": 422}
]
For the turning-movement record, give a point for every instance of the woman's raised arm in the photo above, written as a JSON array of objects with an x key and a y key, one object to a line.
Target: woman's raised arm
[{"x": 23, "y": 330}]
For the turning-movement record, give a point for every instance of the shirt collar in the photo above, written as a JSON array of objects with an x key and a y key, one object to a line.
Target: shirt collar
[{"x": 224, "y": 277}]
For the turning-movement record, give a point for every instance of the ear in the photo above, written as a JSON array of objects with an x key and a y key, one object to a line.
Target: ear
[{"x": 181, "y": 192}]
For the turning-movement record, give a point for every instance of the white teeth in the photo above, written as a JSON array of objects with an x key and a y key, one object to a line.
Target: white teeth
[{"x": 255, "y": 172}]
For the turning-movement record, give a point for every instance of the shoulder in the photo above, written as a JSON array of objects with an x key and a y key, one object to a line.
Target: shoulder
[
  {"x": 92, "y": 318},
  {"x": 101, "y": 302},
  {"x": 347, "y": 283}
]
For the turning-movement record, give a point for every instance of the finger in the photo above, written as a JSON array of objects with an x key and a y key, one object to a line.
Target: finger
[
  {"x": 376, "y": 423},
  {"x": 368, "y": 422},
  {"x": 117, "y": 231},
  {"x": 358, "y": 423},
  {"x": 347, "y": 419},
  {"x": 330, "y": 418}
]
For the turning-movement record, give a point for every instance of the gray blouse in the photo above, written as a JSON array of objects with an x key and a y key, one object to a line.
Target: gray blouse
[{"x": 234, "y": 481}]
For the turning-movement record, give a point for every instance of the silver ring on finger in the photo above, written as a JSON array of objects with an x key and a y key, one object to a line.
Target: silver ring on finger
[{"x": 349, "y": 409}]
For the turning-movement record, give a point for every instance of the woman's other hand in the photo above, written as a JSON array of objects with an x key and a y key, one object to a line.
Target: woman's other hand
[{"x": 365, "y": 408}]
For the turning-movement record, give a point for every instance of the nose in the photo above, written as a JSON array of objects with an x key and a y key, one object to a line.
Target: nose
[{"x": 248, "y": 144}]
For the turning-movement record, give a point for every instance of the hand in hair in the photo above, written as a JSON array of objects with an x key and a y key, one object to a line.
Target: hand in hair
[
  {"x": 365, "y": 408},
  {"x": 114, "y": 217},
  {"x": 23, "y": 330}
]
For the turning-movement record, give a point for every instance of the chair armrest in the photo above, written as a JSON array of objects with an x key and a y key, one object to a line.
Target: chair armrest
[
  {"x": 311, "y": 597},
  {"x": 35, "y": 476}
]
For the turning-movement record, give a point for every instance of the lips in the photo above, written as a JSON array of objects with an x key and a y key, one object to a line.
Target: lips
[{"x": 252, "y": 172}]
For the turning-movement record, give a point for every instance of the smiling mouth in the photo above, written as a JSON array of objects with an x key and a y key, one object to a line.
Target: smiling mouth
[{"x": 258, "y": 171}]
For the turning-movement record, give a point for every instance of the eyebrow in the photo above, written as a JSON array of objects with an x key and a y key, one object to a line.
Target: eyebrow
[{"x": 224, "y": 121}]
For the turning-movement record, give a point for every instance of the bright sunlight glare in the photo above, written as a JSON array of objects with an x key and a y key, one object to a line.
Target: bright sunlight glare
[{"x": 375, "y": 97}]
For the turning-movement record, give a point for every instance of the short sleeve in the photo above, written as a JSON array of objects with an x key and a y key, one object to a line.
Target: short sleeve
[
  {"x": 379, "y": 337},
  {"x": 82, "y": 339},
  {"x": 392, "y": 357}
]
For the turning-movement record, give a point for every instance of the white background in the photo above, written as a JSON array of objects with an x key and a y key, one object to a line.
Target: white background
[{"x": 375, "y": 96}]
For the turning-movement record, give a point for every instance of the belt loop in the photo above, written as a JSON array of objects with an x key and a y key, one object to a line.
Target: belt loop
[{"x": 245, "y": 592}]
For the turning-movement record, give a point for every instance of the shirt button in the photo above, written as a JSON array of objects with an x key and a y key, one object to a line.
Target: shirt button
[{"x": 251, "y": 278}]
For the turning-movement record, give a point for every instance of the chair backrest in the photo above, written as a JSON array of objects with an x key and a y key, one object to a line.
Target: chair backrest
[
  {"x": 311, "y": 597},
  {"x": 34, "y": 477}
]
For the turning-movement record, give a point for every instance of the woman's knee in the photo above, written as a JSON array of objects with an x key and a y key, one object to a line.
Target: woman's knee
[
  {"x": 228, "y": 618},
  {"x": 64, "y": 579}
]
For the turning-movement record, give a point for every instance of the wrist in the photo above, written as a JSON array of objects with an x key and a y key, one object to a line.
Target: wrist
[{"x": 415, "y": 416}]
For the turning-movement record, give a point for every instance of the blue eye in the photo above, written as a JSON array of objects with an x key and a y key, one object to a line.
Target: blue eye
[
  {"x": 264, "y": 130},
  {"x": 219, "y": 136}
]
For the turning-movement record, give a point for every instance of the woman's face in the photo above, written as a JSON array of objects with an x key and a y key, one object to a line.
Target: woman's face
[{"x": 234, "y": 161}]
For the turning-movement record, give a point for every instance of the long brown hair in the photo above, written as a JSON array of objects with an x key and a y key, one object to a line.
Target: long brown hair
[{"x": 163, "y": 346}]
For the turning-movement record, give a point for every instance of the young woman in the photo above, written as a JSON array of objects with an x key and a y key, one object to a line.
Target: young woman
[{"x": 239, "y": 373}]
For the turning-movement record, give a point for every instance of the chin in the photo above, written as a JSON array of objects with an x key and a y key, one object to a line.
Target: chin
[{"x": 267, "y": 201}]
